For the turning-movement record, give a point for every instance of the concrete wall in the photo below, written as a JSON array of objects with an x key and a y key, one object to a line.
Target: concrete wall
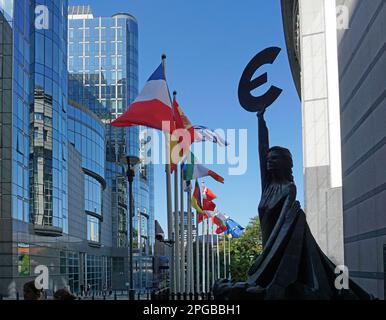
[
  {"x": 77, "y": 222},
  {"x": 362, "y": 72},
  {"x": 321, "y": 128}
]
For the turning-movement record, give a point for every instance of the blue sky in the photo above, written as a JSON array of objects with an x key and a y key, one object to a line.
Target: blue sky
[{"x": 208, "y": 45}]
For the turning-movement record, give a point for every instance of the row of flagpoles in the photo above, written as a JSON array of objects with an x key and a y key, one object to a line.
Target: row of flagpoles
[{"x": 190, "y": 271}]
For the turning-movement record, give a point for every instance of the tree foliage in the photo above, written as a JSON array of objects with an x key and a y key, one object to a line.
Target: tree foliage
[{"x": 244, "y": 250}]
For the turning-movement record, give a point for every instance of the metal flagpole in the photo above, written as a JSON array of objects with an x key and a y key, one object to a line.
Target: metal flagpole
[
  {"x": 218, "y": 257},
  {"x": 191, "y": 259},
  {"x": 229, "y": 258},
  {"x": 190, "y": 284},
  {"x": 207, "y": 256},
  {"x": 203, "y": 255},
  {"x": 177, "y": 225},
  {"x": 176, "y": 232},
  {"x": 197, "y": 256},
  {"x": 212, "y": 254},
  {"x": 169, "y": 198},
  {"x": 182, "y": 232},
  {"x": 225, "y": 260}
]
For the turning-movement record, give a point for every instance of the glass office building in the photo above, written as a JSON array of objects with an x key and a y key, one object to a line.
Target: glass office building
[
  {"x": 14, "y": 103},
  {"x": 86, "y": 133},
  {"x": 33, "y": 147},
  {"x": 55, "y": 204},
  {"x": 103, "y": 56},
  {"x": 89, "y": 262}
]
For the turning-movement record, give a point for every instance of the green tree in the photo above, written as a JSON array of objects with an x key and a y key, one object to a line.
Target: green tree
[
  {"x": 244, "y": 250},
  {"x": 24, "y": 263}
]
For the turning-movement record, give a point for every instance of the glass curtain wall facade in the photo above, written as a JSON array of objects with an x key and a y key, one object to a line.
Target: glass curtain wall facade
[
  {"x": 86, "y": 134},
  {"x": 47, "y": 123},
  {"x": 103, "y": 56},
  {"x": 90, "y": 216},
  {"x": 54, "y": 200},
  {"x": 14, "y": 103},
  {"x": 57, "y": 191},
  {"x": 99, "y": 57}
]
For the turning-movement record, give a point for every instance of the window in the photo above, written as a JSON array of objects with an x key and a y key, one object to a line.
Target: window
[
  {"x": 93, "y": 229},
  {"x": 71, "y": 63},
  {"x": 20, "y": 144},
  {"x": 73, "y": 271},
  {"x": 39, "y": 116},
  {"x": 93, "y": 194},
  {"x": 39, "y": 48},
  {"x": 63, "y": 263},
  {"x": 143, "y": 171},
  {"x": 94, "y": 272}
]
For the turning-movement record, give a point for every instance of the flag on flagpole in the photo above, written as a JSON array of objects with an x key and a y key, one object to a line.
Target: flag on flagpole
[
  {"x": 152, "y": 106},
  {"x": 234, "y": 230},
  {"x": 202, "y": 217},
  {"x": 208, "y": 205},
  {"x": 219, "y": 220},
  {"x": 193, "y": 170},
  {"x": 182, "y": 143},
  {"x": 207, "y": 193},
  {"x": 182, "y": 121},
  {"x": 206, "y": 134},
  {"x": 196, "y": 199}
]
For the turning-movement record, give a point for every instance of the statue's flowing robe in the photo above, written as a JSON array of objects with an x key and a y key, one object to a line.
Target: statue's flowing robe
[{"x": 291, "y": 266}]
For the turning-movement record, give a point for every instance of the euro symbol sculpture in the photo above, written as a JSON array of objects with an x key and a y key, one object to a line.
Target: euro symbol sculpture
[
  {"x": 291, "y": 265},
  {"x": 247, "y": 85}
]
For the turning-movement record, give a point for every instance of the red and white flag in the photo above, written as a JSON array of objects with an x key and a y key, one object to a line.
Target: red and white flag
[{"x": 152, "y": 107}]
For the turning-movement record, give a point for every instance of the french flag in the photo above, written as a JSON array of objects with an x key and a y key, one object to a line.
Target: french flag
[{"x": 152, "y": 106}]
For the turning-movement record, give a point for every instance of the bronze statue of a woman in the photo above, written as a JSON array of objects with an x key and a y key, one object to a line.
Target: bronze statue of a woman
[{"x": 291, "y": 266}]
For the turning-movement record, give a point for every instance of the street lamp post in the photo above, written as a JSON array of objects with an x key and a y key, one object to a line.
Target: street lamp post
[
  {"x": 131, "y": 162},
  {"x": 170, "y": 243}
]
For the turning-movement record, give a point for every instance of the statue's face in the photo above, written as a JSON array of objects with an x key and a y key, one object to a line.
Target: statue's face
[{"x": 276, "y": 161}]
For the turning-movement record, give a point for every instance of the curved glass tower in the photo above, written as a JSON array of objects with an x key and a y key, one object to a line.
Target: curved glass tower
[
  {"x": 47, "y": 125},
  {"x": 103, "y": 56},
  {"x": 61, "y": 204}
]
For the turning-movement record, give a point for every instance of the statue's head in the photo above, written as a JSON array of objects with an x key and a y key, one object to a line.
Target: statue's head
[{"x": 279, "y": 163}]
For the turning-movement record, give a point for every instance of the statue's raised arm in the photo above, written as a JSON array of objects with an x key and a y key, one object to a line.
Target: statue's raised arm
[{"x": 263, "y": 148}]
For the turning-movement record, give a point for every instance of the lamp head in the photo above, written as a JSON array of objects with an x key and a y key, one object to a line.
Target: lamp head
[
  {"x": 130, "y": 161},
  {"x": 159, "y": 237}
]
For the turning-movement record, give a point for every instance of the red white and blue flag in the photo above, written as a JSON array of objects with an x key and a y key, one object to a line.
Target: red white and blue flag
[{"x": 152, "y": 107}]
